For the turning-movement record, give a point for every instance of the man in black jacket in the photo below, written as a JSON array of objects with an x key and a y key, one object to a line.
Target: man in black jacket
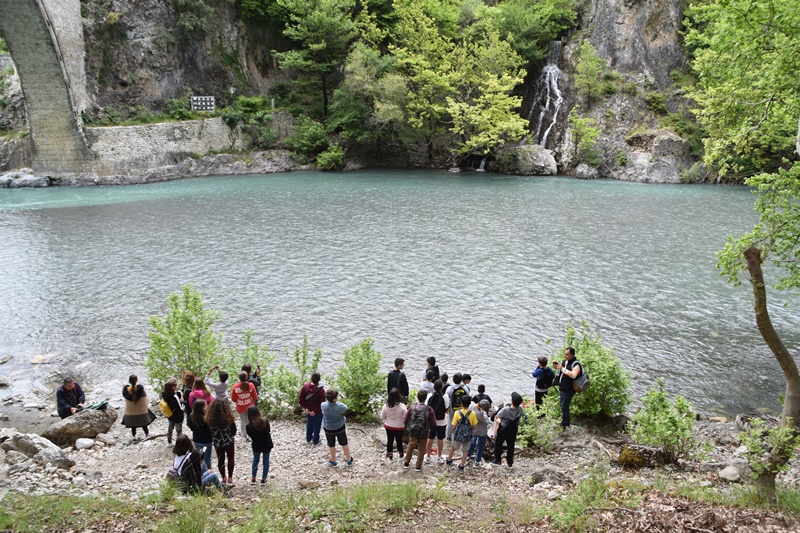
[
  {"x": 397, "y": 379},
  {"x": 69, "y": 398}
]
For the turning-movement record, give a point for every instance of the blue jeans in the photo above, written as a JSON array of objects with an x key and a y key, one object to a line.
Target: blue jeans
[
  {"x": 566, "y": 398},
  {"x": 210, "y": 478},
  {"x": 265, "y": 468},
  {"x": 477, "y": 445},
  {"x": 313, "y": 425},
  {"x": 207, "y": 446}
]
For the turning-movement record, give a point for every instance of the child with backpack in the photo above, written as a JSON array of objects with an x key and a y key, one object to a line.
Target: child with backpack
[
  {"x": 258, "y": 430},
  {"x": 333, "y": 422},
  {"x": 188, "y": 468},
  {"x": 201, "y": 433},
  {"x": 170, "y": 405},
  {"x": 454, "y": 393},
  {"x": 393, "y": 414},
  {"x": 544, "y": 376},
  {"x": 440, "y": 404},
  {"x": 464, "y": 422},
  {"x": 506, "y": 424},
  {"x": 418, "y": 421},
  {"x": 479, "y": 435},
  {"x": 311, "y": 396}
]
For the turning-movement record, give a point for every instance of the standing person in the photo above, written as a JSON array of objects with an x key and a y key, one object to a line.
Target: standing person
[
  {"x": 464, "y": 422},
  {"x": 569, "y": 370},
  {"x": 222, "y": 423},
  {"x": 199, "y": 390},
  {"x": 393, "y": 415},
  {"x": 333, "y": 422},
  {"x": 188, "y": 385},
  {"x": 482, "y": 395},
  {"x": 201, "y": 433},
  {"x": 418, "y": 422},
  {"x": 243, "y": 395},
  {"x": 440, "y": 403},
  {"x": 427, "y": 385},
  {"x": 506, "y": 424},
  {"x": 544, "y": 376},
  {"x": 137, "y": 413},
  {"x": 396, "y": 379},
  {"x": 479, "y": 435},
  {"x": 466, "y": 379},
  {"x": 188, "y": 463},
  {"x": 259, "y": 433},
  {"x": 172, "y": 396},
  {"x": 433, "y": 368},
  {"x": 454, "y": 393},
  {"x": 255, "y": 379},
  {"x": 69, "y": 398},
  {"x": 220, "y": 387},
  {"x": 310, "y": 398}
]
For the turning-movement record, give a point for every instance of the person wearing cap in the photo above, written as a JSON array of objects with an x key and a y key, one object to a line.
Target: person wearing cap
[{"x": 479, "y": 434}]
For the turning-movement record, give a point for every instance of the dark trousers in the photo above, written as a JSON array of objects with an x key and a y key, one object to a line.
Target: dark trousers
[
  {"x": 507, "y": 436},
  {"x": 566, "y": 398},
  {"x": 221, "y": 452},
  {"x": 313, "y": 425},
  {"x": 539, "y": 397},
  {"x": 394, "y": 436}
]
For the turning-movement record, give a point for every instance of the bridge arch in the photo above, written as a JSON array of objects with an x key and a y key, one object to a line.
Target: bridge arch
[{"x": 58, "y": 144}]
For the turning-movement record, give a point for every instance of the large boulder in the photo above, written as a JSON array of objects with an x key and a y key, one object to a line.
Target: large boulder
[
  {"x": 86, "y": 424},
  {"x": 656, "y": 156},
  {"x": 528, "y": 160},
  {"x": 41, "y": 450}
]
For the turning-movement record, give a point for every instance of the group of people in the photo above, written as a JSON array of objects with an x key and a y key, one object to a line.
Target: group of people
[{"x": 444, "y": 410}]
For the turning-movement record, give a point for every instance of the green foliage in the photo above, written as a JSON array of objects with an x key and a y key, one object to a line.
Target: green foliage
[
  {"x": 692, "y": 174},
  {"x": 180, "y": 108},
  {"x": 281, "y": 385},
  {"x": 332, "y": 158},
  {"x": 253, "y": 115},
  {"x": 587, "y": 71},
  {"x": 745, "y": 57},
  {"x": 585, "y": 134},
  {"x": 309, "y": 138},
  {"x": 685, "y": 124},
  {"x": 540, "y": 426},
  {"x": 762, "y": 443},
  {"x": 668, "y": 425},
  {"x": 622, "y": 158},
  {"x": 195, "y": 18},
  {"x": 359, "y": 379},
  {"x": 3, "y": 47},
  {"x": 656, "y": 102},
  {"x": 610, "y": 391},
  {"x": 183, "y": 339}
]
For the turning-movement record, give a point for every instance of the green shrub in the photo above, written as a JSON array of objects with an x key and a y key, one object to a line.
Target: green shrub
[
  {"x": 183, "y": 338},
  {"x": 281, "y": 386},
  {"x": 194, "y": 18},
  {"x": 609, "y": 393},
  {"x": 585, "y": 132},
  {"x": 685, "y": 124},
  {"x": 622, "y": 158},
  {"x": 332, "y": 158},
  {"x": 666, "y": 425},
  {"x": 359, "y": 379},
  {"x": 760, "y": 442},
  {"x": 539, "y": 427},
  {"x": 309, "y": 138},
  {"x": 180, "y": 108},
  {"x": 629, "y": 87},
  {"x": 3, "y": 47},
  {"x": 655, "y": 102},
  {"x": 608, "y": 88},
  {"x": 691, "y": 174}
]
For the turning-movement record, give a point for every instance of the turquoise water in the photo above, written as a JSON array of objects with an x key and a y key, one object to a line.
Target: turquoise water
[{"x": 476, "y": 269}]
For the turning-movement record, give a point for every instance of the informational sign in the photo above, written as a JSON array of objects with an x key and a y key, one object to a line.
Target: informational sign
[{"x": 202, "y": 103}]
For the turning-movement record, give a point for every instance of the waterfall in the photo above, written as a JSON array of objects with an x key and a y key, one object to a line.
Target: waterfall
[
  {"x": 483, "y": 164},
  {"x": 548, "y": 96}
]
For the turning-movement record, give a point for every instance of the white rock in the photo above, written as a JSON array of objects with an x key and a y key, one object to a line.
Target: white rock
[
  {"x": 33, "y": 406},
  {"x": 84, "y": 444},
  {"x": 741, "y": 450},
  {"x": 553, "y": 495},
  {"x": 79, "y": 482},
  {"x": 39, "y": 359},
  {"x": 730, "y": 473}
]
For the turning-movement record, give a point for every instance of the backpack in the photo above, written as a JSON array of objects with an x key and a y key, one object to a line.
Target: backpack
[
  {"x": 581, "y": 383},
  {"x": 458, "y": 392},
  {"x": 417, "y": 425},
  {"x": 546, "y": 380},
  {"x": 463, "y": 430},
  {"x": 438, "y": 407},
  {"x": 165, "y": 408}
]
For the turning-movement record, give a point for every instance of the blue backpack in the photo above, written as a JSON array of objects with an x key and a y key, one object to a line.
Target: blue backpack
[{"x": 463, "y": 430}]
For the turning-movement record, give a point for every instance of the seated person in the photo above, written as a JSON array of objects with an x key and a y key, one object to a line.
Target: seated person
[{"x": 69, "y": 398}]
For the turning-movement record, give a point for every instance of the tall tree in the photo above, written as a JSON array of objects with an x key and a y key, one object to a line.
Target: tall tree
[
  {"x": 587, "y": 71},
  {"x": 324, "y": 31}
]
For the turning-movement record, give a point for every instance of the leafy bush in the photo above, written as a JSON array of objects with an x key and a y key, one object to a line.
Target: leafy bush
[
  {"x": 629, "y": 87},
  {"x": 332, "y": 158},
  {"x": 194, "y": 18},
  {"x": 281, "y": 386},
  {"x": 666, "y": 425},
  {"x": 685, "y": 124},
  {"x": 309, "y": 138},
  {"x": 179, "y": 108},
  {"x": 540, "y": 426},
  {"x": 691, "y": 174},
  {"x": 360, "y": 380},
  {"x": 3, "y": 47},
  {"x": 608, "y": 88},
  {"x": 760, "y": 442},
  {"x": 585, "y": 133},
  {"x": 610, "y": 391},
  {"x": 183, "y": 338},
  {"x": 622, "y": 158},
  {"x": 655, "y": 102}
]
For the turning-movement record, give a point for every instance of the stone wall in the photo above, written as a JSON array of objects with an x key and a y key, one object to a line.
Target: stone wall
[
  {"x": 65, "y": 16},
  {"x": 122, "y": 150}
]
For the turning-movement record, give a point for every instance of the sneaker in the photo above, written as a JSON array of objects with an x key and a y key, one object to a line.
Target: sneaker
[
  {"x": 264, "y": 482},
  {"x": 494, "y": 463},
  {"x": 229, "y": 481},
  {"x": 350, "y": 462},
  {"x": 308, "y": 443},
  {"x": 449, "y": 462},
  {"x": 460, "y": 469},
  {"x": 441, "y": 460},
  {"x": 427, "y": 459},
  {"x": 510, "y": 467},
  {"x": 418, "y": 469},
  {"x": 332, "y": 464},
  {"x": 476, "y": 464},
  {"x": 405, "y": 465},
  {"x": 252, "y": 481},
  {"x": 449, "y": 439}
]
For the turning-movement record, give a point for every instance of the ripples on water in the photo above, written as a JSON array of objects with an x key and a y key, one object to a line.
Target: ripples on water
[{"x": 477, "y": 269}]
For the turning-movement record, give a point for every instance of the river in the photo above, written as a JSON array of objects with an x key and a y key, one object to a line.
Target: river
[{"x": 476, "y": 269}]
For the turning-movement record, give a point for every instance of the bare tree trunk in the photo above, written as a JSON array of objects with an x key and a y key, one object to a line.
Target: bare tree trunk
[{"x": 765, "y": 483}]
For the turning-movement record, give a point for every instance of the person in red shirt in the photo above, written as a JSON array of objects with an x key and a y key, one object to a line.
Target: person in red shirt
[
  {"x": 310, "y": 398},
  {"x": 243, "y": 395}
]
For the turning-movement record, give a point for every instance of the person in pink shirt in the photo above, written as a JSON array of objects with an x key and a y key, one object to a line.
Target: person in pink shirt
[
  {"x": 199, "y": 391},
  {"x": 243, "y": 395}
]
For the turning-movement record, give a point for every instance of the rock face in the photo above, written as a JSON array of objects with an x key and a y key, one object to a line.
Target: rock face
[
  {"x": 38, "y": 449},
  {"x": 529, "y": 160},
  {"x": 656, "y": 157},
  {"x": 85, "y": 424}
]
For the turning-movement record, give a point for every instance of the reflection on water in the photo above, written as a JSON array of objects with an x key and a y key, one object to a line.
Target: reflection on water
[{"x": 478, "y": 270}]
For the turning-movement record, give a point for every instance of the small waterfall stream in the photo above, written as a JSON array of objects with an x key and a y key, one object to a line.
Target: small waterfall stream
[{"x": 548, "y": 98}]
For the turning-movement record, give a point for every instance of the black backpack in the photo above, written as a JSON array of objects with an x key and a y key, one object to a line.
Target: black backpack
[
  {"x": 417, "y": 425},
  {"x": 458, "y": 392},
  {"x": 437, "y": 404},
  {"x": 545, "y": 381}
]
